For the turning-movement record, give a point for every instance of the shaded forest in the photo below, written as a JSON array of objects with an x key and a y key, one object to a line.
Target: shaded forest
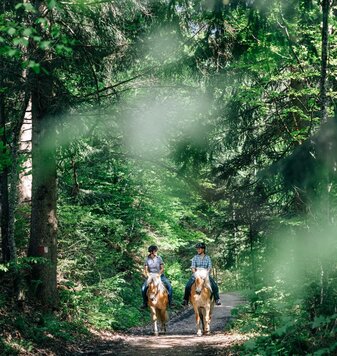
[{"x": 168, "y": 122}]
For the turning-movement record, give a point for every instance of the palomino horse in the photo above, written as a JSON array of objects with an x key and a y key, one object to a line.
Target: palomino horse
[
  {"x": 157, "y": 301},
  {"x": 202, "y": 300}
]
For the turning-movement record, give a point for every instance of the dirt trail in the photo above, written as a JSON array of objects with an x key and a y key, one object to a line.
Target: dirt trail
[{"x": 180, "y": 338}]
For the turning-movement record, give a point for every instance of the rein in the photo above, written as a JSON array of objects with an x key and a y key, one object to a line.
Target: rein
[
  {"x": 159, "y": 286},
  {"x": 203, "y": 274}
]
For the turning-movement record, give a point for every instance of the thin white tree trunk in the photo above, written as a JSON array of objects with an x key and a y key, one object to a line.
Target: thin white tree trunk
[{"x": 25, "y": 148}]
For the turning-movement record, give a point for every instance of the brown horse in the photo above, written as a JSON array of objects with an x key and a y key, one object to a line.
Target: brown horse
[
  {"x": 157, "y": 301},
  {"x": 202, "y": 300}
]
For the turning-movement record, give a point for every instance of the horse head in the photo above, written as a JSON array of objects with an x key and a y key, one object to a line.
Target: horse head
[
  {"x": 154, "y": 285},
  {"x": 201, "y": 276}
]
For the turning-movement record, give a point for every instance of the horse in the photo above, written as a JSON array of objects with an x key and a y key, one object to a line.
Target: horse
[
  {"x": 157, "y": 296},
  {"x": 202, "y": 300}
]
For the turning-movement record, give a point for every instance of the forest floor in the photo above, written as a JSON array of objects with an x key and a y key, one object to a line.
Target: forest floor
[{"x": 180, "y": 339}]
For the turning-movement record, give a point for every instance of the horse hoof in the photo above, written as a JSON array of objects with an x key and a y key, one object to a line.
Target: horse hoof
[
  {"x": 199, "y": 333},
  {"x": 156, "y": 334}
]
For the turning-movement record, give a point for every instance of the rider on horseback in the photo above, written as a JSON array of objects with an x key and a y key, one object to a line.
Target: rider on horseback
[
  {"x": 155, "y": 264},
  {"x": 201, "y": 260}
]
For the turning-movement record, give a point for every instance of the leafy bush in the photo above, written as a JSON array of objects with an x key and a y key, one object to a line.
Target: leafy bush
[
  {"x": 283, "y": 325},
  {"x": 111, "y": 304}
]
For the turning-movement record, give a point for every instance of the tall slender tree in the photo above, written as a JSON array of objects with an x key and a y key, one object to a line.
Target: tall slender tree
[{"x": 4, "y": 196}]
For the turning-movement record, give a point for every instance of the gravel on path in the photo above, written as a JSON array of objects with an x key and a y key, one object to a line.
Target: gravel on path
[{"x": 180, "y": 339}]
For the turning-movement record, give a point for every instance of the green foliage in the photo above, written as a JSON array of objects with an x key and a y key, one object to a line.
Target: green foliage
[
  {"x": 7, "y": 350},
  {"x": 230, "y": 149},
  {"x": 43, "y": 329},
  {"x": 3, "y": 267},
  {"x": 109, "y": 304},
  {"x": 29, "y": 331},
  {"x": 105, "y": 229},
  {"x": 296, "y": 314},
  {"x": 5, "y": 158}
]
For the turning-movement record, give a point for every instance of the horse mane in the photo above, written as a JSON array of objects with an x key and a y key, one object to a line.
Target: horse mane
[
  {"x": 157, "y": 281},
  {"x": 203, "y": 274}
]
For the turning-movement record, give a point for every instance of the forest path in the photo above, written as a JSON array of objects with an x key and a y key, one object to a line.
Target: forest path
[{"x": 181, "y": 337}]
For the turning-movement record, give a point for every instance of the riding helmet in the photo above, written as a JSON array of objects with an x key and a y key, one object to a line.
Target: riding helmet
[
  {"x": 152, "y": 248},
  {"x": 200, "y": 245}
]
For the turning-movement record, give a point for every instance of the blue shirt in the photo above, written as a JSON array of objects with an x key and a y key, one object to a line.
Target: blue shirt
[
  {"x": 201, "y": 262},
  {"x": 153, "y": 264}
]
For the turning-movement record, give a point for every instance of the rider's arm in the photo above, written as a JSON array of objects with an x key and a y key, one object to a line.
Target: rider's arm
[
  {"x": 209, "y": 268},
  {"x": 193, "y": 265},
  {"x": 161, "y": 269},
  {"x": 146, "y": 271},
  {"x": 161, "y": 265}
]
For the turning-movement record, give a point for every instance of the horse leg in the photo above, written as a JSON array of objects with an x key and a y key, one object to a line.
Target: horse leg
[
  {"x": 202, "y": 319},
  {"x": 154, "y": 321},
  {"x": 160, "y": 318},
  {"x": 207, "y": 320},
  {"x": 163, "y": 319},
  {"x": 197, "y": 320},
  {"x": 166, "y": 319}
]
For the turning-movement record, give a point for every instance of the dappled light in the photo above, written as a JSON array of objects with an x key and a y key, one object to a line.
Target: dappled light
[{"x": 169, "y": 124}]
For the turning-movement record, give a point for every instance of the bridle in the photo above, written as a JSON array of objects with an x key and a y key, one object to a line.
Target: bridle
[
  {"x": 204, "y": 277},
  {"x": 157, "y": 283}
]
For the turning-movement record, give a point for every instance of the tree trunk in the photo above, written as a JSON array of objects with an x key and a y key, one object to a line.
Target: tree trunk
[
  {"x": 43, "y": 239},
  {"x": 4, "y": 202},
  {"x": 4, "y": 213},
  {"x": 324, "y": 64},
  {"x": 25, "y": 182},
  {"x": 327, "y": 154},
  {"x": 252, "y": 254}
]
